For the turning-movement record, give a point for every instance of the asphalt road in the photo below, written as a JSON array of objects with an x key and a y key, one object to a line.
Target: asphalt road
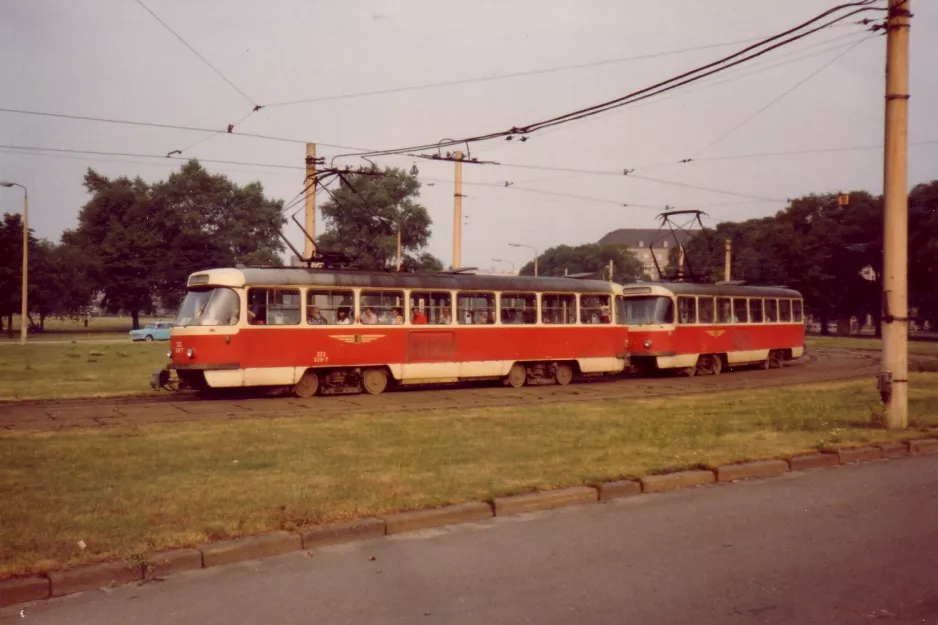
[{"x": 852, "y": 544}]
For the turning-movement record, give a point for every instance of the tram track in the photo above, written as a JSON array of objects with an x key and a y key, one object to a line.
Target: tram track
[{"x": 822, "y": 365}]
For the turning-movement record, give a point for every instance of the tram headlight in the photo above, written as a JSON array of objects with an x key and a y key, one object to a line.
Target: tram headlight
[
  {"x": 190, "y": 353},
  {"x": 647, "y": 343},
  {"x": 169, "y": 354}
]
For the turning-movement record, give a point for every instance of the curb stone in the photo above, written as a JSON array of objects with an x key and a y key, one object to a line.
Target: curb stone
[
  {"x": 747, "y": 470},
  {"x": 672, "y": 481},
  {"x": 813, "y": 461},
  {"x": 249, "y": 548},
  {"x": 342, "y": 532},
  {"x": 859, "y": 454},
  {"x": 531, "y": 502},
  {"x": 435, "y": 517},
  {"x": 93, "y": 577},
  {"x": 23, "y": 589},
  {"x": 58, "y": 583}
]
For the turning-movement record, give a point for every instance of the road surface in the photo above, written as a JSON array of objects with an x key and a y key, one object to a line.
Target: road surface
[
  {"x": 818, "y": 366},
  {"x": 847, "y": 545}
]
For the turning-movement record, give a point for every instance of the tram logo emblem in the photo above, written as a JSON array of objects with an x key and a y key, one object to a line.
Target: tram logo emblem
[
  {"x": 716, "y": 333},
  {"x": 356, "y": 339}
]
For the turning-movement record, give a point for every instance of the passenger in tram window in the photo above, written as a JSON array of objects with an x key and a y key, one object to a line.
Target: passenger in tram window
[
  {"x": 447, "y": 316},
  {"x": 398, "y": 317},
  {"x": 258, "y": 316},
  {"x": 419, "y": 318},
  {"x": 343, "y": 318},
  {"x": 604, "y": 313},
  {"x": 369, "y": 318},
  {"x": 529, "y": 316},
  {"x": 315, "y": 318}
]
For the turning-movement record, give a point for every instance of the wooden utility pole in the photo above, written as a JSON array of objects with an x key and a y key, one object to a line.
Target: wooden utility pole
[
  {"x": 894, "y": 370},
  {"x": 457, "y": 214},
  {"x": 728, "y": 260},
  {"x": 310, "y": 221}
]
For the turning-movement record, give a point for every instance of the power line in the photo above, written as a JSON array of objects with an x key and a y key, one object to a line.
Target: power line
[
  {"x": 549, "y": 70},
  {"x": 778, "y": 98},
  {"x": 196, "y": 52}
]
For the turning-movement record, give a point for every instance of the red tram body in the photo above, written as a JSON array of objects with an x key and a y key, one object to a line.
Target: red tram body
[
  {"x": 343, "y": 331},
  {"x": 700, "y": 328}
]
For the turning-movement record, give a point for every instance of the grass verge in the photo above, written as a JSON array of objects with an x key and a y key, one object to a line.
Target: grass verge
[
  {"x": 76, "y": 370},
  {"x": 127, "y": 491},
  {"x": 843, "y": 342}
]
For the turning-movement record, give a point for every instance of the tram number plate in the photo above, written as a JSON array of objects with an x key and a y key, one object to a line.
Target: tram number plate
[{"x": 321, "y": 357}]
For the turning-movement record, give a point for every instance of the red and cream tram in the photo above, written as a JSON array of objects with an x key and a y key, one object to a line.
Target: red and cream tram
[
  {"x": 704, "y": 328},
  {"x": 345, "y": 331}
]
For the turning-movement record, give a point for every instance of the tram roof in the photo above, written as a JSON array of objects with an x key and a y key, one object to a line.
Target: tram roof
[
  {"x": 301, "y": 276},
  {"x": 731, "y": 290}
]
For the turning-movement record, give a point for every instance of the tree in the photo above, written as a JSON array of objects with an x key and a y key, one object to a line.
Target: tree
[
  {"x": 363, "y": 216},
  {"x": 141, "y": 241},
  {"x": 589, "y": 258},
  {"x": 11, "y": 266},
  {"x": 923, "y": 250}
]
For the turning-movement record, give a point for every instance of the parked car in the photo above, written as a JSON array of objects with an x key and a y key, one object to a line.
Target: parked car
[{"x": 152, "y": 332}]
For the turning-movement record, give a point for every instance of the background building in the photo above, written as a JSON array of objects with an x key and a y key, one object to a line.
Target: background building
[{"x": 645, "y": 242}]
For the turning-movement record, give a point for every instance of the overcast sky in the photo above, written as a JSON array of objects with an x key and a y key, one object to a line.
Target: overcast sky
[{"x": 111, "y": 58}]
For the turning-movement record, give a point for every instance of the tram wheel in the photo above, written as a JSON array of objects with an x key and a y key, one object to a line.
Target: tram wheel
[
  {"x": 308, "y": 385},
  {"x": 775, "y": 359},
  {"x": 563, "y": 374},
  {"x": 689, "y": 371},
  {"x": 716, "y": 365},
  {"x": 374, "y": 380},
  {"x": 517, "y": 376}
]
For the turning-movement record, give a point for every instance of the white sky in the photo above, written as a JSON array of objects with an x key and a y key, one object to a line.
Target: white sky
[{"x": 110, "y": 58}]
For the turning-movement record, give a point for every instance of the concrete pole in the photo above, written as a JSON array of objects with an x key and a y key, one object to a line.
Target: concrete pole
[
  {"x": 680, "y": 263},
  {"x": 611, "y": 268},
  {"x": 727, "y": 262},
  {"x": 457, "y": 214},
  {"x": 24, "y": 310},
  {"x": 398, "y": 246},
  {"x": 894, "y": 376},
  {"x": 310, "y": 221}
]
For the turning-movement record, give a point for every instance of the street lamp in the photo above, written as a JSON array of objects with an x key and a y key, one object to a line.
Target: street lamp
[
  {"x": 499, "y": 260},
  {"x": 24, "y": 309},
  {"x": 530, "y": 247}
]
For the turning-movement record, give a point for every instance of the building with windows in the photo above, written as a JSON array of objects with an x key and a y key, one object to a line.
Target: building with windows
[{"x": 647, "y": 243}]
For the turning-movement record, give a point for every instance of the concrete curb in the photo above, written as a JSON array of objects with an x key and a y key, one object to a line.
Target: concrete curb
[
  {"x": 813, "y": 461},
  {"x": 672, "y": 481},
  {"x": 58, "y": 583},
  {"x": 342, "y": 532},
  {"x": 546, "y": 500},
  {"x": 615, "y": 490},
  {"x": 859, "y": 454},
  {"x": 249, "y": 548},
  {"x": 435, "y": 517},
  {"x": 749, "y": 470}
]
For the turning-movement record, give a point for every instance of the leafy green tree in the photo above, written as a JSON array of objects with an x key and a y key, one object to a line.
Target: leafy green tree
[
  {"x": 923, "y": 250},
  {"x": 363, "y": 216},
  {"x": 589, "y": 258},
  {"x": 11, "y": 266}
]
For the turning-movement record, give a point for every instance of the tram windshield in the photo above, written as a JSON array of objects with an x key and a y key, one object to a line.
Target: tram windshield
[
  {"x": 219, "y": 306},
  {"x": 649, "y": 310}
]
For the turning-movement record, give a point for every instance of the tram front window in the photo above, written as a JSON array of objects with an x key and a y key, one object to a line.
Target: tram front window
[
  {"x": 651, "y": 310},
  {"x": 209, "y": 307}
]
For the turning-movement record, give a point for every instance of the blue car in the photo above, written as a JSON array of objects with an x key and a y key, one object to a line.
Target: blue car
[{"x": 152, "y": 332}]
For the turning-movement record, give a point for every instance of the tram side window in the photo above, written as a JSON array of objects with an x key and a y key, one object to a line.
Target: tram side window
[
  {"x": 739, "y": 310},
  {"x": 330, "y": 307},
  {"x": 594, "y": 309},
  {"x": 784, "y": 310},
  {"x": 475, "y": 308},
  {"x": 796, "y": 310},
  {"x": 687, "y": 310},
  {"x": 705, "y": 307},
  {"x": 558, "y": 309},
  {"x": 621, "y": 318},
  {"x": 431, "y": 307},
  {"x": 771, "y": 310},
  {"x": 274, "y": 307},
  {"x": 381, "y": 308},
  {"x": 755, "y": 310},
  {"x": 518, "y": 308},
  {"x": 724, "y": 310}
]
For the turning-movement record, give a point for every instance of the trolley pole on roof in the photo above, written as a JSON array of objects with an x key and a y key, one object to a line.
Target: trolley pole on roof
[
  {"x": 457, "y": 214},
  {"x": 894, "y": 376},
  {"x": 310, "y": 221}
]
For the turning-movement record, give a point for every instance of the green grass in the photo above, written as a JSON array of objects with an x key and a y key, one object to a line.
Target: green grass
[
  {"x": 78, "y": 370},
  {"x": 132, "y": 491},
  {"x": 843, "y": 342}
]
